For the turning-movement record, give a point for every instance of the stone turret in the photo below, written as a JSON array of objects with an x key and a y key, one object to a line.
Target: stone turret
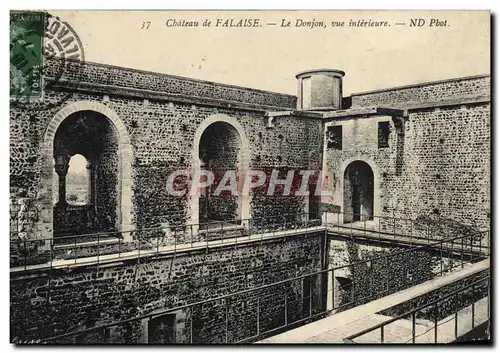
[{"x": 320, "y": 89}]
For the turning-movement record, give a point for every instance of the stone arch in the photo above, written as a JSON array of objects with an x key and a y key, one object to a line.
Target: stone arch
[
  {"x": 124, "y": 184},
  {"x": 376, "y": 180},
  {"x": 243, "y": 160}
]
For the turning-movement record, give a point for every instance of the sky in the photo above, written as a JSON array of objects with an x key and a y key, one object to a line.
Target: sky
[{"x": 269, "y": 57}]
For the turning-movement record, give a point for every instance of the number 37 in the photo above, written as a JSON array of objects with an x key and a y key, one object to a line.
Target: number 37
[{"x": 145, "y": 24}]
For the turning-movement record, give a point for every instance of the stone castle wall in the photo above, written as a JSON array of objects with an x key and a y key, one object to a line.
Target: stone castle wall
[
  {"x": 439, "y": 167},
  {"x": 161, "y": 135},
  {"x": 425, "y": 92},
  {"x": 162, "y": 83},
  {"x": 83, "y": 297}
]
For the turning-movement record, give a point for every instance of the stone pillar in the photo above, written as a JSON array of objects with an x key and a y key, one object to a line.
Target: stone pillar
[
  {"x": 90, "y": 183},
  {"x": 61, "y": 168}
]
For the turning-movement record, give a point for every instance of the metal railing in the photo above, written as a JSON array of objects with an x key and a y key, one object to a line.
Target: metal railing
[
  {"x": 395, "y": 228},
  {"x": 154, "y": 240},
  {"x": 434, "y": 304},
  {"x": 270, "y": 308}
]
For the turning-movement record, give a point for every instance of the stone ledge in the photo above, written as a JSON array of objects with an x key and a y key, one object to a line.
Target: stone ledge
[
  {"x": 404, "y": 109},
  {"x": 167, "y": 251},
  {"x": 86, "y": 87},
  {"x": 422, "y": 84},
  {"x": 90, "y": 72}
]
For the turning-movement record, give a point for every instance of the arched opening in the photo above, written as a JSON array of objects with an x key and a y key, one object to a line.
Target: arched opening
[
  {"x": 219, "y": 151},
  {"x": 358, "y": 192},
  {"x": 78, "y": 181},
  {"x": 87, "y": 162}
]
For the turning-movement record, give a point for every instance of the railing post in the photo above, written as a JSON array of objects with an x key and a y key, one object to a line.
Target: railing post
[
  {"x": 157, "y": 244},
  {"x": 379, "y": 234},
  {"x": 441, "y": 254},
  {"x": 333, "y": 289},
  {"x": 471, "y": 248},
  {"x": 462, "y": 252},
  {"x": 191, "y": 230},
  {"x": 227, "y": 322},
  {"x": 25, "y": 255},
  {"x": 310, "y": 298},
  {"x": 75, "y": 249},
  {"x": 222, "y": 231},
  {"x": 286, "y": 308},
  {"x": 473, "y": 305},
  {"x": 98, "y": 247},
  {"x": 452, "y": 260},
  {"x": 387, "y": 272},
  {"x": 456, "y": 324},
  {"x": 119, "y": 247},
  {"x": 394, "y": 227},
  {"x": 381, "y": 334},
  {"x": 258, "y": 316},
  {"x": 489, "y": 298},
  {"x": 175, "y": 241},
  {"x": 138, "y": 247},
  {"x": 353, "y": 288},
  {"x": 51, "y": 242},
  {"x": 435, "y": 323},
  {"x": 206, "y": 239},
  {"x": 480, "y": 250},
  {"x": 191, "y": 326},
  {"x": 413, "y": 319}
]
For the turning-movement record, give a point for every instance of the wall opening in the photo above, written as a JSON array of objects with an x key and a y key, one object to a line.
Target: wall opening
[
  {"x": 87, "y": 142},
  {"x": 219, "y": 152},
  {"x": 358, "y": 192},
  {"x": 334, "y": 137},
  {"x": 161, "y": 329},
  {"x": 306, "y": 295},
  {"x": 78, "y": 181},
  {"x": 384, "y": 129}
]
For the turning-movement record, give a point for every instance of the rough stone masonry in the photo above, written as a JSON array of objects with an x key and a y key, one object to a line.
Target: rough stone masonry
[{"x": 427, "y": 146}]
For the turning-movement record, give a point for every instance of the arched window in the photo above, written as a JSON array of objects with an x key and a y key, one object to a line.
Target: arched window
[{"x": 77, "y": 181}]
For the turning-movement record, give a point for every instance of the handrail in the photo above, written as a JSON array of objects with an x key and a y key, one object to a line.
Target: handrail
[
  {"x": 189, "y": 234},
  {"x": 246, "y": 291},
  {"x": 349, "y": 339},
  {"x": 201, "y": 226}
]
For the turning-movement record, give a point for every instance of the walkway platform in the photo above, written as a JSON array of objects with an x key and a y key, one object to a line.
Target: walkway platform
[
  {"x": 338, "y": 326},
  {"x": 370, "y": 234}
]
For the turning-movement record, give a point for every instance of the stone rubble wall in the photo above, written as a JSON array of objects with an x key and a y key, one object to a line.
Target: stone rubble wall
[
  {"x": 83, "y": 297},
  {"x": 424, "y": 92},
  {"x": 130, "y": 78},
  {"x": 440, "y": 167},
  {"x": 161, "y": 135}
]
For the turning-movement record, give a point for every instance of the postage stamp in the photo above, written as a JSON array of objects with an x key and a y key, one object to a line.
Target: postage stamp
[
  {"x": 42, "y": 46},
  {"x": 26, "y": 53}
]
